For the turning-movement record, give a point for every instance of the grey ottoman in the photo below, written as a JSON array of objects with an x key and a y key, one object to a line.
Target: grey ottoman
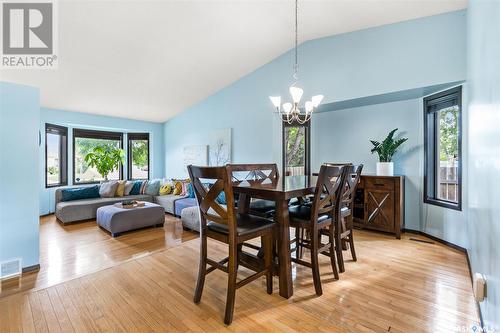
[{"x": 117, "y": 219}]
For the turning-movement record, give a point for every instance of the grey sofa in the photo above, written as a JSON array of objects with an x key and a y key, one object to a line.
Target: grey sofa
[{"x": 85, "y": 209}]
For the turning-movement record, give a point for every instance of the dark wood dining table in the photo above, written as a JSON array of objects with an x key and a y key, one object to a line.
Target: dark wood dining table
[{"x": 281, "y": 190}]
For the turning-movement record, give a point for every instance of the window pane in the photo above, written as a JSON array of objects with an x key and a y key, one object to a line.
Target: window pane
[
  {"x": 84, "y": 173},
  {"x": 53, "y": 159},
  {"x": 295, "y": 150},
  {"x": 447, "y": 154},
  {"x": 140, "y": 162}
]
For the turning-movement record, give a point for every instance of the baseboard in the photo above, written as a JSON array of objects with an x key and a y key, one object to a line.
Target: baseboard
[
  {"x": 436, "y": 239},
  {"x": 30, "y": 269},
  {"x": 456, "y": 247}
]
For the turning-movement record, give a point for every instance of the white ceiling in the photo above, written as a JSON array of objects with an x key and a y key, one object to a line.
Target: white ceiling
[{"x": 150, "y": 60}]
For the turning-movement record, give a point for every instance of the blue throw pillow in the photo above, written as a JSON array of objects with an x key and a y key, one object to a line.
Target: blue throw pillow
[
  {"x": 152, "y": 187},
  {"x": 136, "y": 189},
  {"x": 221, "y": 198},
  {"x": 190, "y": 191},
  {"x": 78, "y": 193}
]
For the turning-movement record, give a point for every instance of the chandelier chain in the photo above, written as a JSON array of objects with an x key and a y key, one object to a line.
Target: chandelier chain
[{"x": 296, "y": 65}]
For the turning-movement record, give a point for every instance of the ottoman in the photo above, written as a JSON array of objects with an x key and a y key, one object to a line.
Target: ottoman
[{"x": 116, "y": 219}]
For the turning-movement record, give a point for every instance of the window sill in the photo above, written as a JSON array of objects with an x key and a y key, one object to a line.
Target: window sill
[{"x": 444, "y": 204}]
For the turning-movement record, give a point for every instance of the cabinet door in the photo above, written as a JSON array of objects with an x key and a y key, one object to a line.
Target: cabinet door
[{"x": 379, "y": 209}]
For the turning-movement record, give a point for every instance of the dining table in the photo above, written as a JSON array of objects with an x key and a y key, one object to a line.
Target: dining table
[{"x": 280, "y": 190}]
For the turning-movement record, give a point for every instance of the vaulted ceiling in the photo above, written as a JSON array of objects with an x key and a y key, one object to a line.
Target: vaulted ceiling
[{"x": 150, "y": 60}]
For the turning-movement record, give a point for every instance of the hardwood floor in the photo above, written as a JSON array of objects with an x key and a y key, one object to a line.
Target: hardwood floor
[
  {"x": 78, "y": 249},
  {"x": 396, "y": 286}
]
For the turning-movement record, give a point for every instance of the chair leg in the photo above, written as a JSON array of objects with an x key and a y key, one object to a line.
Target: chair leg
[
  {"x": 298, "y": 231},
  {"x": 338, "y": 248},
  {"x": 315, "y": 262},
  {"x": 202, "y": 270},
  {"x": 267, "y": 244},
  {"x": 331, "y": 239},
  {"x": 231, "y": 284}
]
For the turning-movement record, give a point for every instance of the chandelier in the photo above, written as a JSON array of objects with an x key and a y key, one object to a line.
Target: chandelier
[{"x": 291, "y": 112}]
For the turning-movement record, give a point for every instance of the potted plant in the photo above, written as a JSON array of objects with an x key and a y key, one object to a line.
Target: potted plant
[
  {"x": 105, "y": 159},
  {"x": 385, "y": 151}
]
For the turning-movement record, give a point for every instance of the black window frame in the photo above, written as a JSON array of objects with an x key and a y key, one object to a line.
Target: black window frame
[
  {"x": 131, "y": 137},
  {"x": 307, "y": 162},
  {"x": 93, "y": 134},
  {"x": 63, "y": 152},
  {"x": 441, "y": 98}
]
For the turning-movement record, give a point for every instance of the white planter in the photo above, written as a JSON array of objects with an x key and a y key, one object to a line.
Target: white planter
[{"x": 385, "y": 169}]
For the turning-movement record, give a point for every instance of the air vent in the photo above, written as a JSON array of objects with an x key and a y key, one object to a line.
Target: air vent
[{"x": 10, "y": 268}]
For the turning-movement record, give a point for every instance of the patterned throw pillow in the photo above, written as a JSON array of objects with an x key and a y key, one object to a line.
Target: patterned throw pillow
[
  {"x": 128, "y": 187},
  {"x": 144, "y": 184},
  {"x": 166, "y": 189},
  {"x": 136, "y": 189},
  {"x": 190, "y": 191},
  {"x": 177, "y": 188},
  {"x": 120, "y": 190},
  {"x": 185, "y": 184}
]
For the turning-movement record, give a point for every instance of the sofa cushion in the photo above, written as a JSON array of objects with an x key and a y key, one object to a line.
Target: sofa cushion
[
  {"x": 167, "y": 202},
  {"x": 78, "y": 193},
  {"x": 183, "y": 203},
  {"x": 108, "y": 189},
  {"x": 79, "y": 210}
]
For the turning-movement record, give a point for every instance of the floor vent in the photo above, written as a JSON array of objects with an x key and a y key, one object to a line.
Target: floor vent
[
  {"x": 10, "y": 268},
  {"x": 421, "y": 240}
]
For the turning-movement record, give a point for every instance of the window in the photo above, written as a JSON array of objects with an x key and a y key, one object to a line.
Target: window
[
  {"x": 296, "y": 150},
  {"x": 84, "y": 141},
  {"x": 443, "y": 149},
  {"x": 138, "y": 155},
  {"x": 56, "y": 155}
]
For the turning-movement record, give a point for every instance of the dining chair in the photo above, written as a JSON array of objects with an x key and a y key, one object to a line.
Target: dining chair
[
  {"x": 223, "y": 223},
  {"x": 321, "y": 214},
  {"x": 344, "y": 227},
  {"x": 258, "y": 173}
]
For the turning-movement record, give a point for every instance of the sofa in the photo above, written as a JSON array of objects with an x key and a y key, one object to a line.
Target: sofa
[{"x": 85, "y": 209}]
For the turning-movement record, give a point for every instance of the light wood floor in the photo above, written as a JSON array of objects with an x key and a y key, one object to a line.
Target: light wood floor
[
  {"x": 396, "y": 286},
  {"x": 78, "y": 249}
]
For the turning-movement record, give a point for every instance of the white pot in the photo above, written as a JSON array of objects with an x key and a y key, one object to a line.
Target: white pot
[{"x": 385, "y": 169}]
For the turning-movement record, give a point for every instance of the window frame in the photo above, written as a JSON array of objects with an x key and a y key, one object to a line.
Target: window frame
[
  {"x": 93, "y": 134},
  {"x": 307, "y": 162},
  {"x": 428, "y": 102},
  {"x": 63, "y": 151},
  {"x": 131, "y": 137}
]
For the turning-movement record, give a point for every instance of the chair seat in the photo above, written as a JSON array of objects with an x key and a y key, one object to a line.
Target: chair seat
[
  {"x": 246, "y": 224},
  {"x": 303, "y": 212},
  {"x": 263, "y": 208}
]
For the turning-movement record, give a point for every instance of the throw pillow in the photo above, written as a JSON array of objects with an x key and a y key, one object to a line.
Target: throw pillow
[
  {"x": 136, "y": 189},
  {"x": 185, "y": 183},
  {"x": 70, "y": 194},
  {"x": 190, "y": 191},
  {"x": 152, "y": 187},
  {"x": 143, "y": 187},
  {"x": 128, "y": 187},
  {"x": 120, "y": 190},
  {"x": 108, "y": 189},
  {"x": 166, "y": 189},
  {"x": 177, "y": 188}
]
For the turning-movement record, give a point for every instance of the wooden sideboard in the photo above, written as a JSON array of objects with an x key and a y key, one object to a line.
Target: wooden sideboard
[{"x": 379, "y": 204}]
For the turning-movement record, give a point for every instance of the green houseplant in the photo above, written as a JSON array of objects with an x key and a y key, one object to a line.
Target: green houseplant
[
  {"x": 105, "y": 159},
  {"x": 385, "y": 150}
]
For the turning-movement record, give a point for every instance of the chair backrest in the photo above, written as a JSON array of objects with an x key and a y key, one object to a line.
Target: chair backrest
[
  {"x": 255, "y": 172},
  {"x": 208, "y": 184},
  {"x": 328, "y": 191},
  {"x": 352, "y": 180}
]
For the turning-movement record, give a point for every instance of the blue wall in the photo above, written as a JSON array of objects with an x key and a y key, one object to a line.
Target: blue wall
[
  {"x": 89, "y": 121},
  {"x": 382, "y": 60},
  {"x": 19, "y": 121},
  {"x": 484, "y": 151}
]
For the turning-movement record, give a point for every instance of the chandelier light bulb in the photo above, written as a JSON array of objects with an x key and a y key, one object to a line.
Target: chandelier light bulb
[
  {"x": 309, "y": 106},
  {"x": 316, "y": 100},
  {"x": 276, "y": 100},
  {"x": 296, "y": 93}
]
